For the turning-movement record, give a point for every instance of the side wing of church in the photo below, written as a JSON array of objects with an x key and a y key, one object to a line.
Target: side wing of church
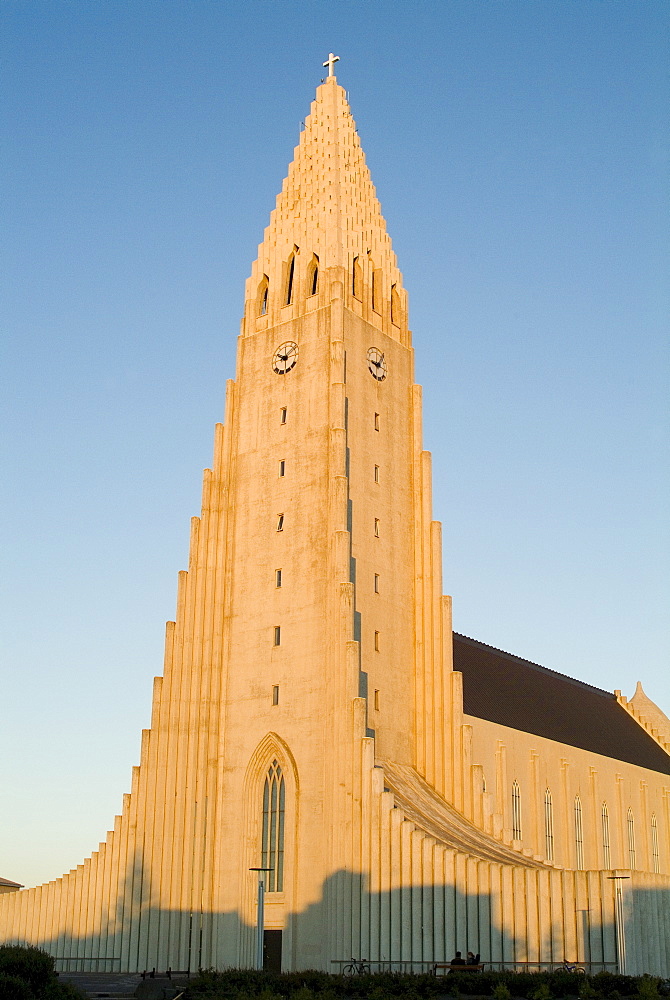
[{"x": 408, "y": 791}]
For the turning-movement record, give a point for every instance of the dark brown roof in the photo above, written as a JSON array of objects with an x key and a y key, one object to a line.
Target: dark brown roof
[{"x": 513, "y": 692}]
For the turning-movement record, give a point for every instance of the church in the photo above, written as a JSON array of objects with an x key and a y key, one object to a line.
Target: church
[{"x": 401, "y": 791}]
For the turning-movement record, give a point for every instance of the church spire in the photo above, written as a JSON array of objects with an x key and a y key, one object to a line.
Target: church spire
[{"x": 327, "y": 216}]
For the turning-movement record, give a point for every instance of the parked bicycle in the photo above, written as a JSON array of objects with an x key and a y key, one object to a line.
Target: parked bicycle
[{"x": 357, "y": 967}]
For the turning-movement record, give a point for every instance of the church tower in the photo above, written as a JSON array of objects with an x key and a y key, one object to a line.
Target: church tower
[
  {"x": 309, "y": 720},
  {"x": 331, "y": 612}
]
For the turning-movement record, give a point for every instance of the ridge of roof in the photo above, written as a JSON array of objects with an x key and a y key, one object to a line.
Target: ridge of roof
[{"x": 536, "y": 666}]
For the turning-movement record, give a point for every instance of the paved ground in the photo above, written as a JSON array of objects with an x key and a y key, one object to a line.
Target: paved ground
[
  {"x": 111, "y": 984},
  {"x": 122, "y": 984}
]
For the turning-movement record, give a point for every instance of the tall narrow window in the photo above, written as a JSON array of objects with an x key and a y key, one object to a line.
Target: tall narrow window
[
  {"x": 313, "y": 276},
  {"x": 282, "y": 467},
  {"x": 631, "y": 839},
  {"x": 548, "y": 826},
  {"x": 376, "y": 285},
  {"x": 376, "y": 583},
  {"x": 277, "y": 578},
  {"x": 655, "y": 854},
  {"x": 579, "y": 834},
  {"x": 275, "y": 694},
  {"x": 376, "y": 527},
  {"x": 289, "y": 280},
  {"x": 357, "y": 279},
  {"x": 282, "y": 415},
  {"x": 605, "y": 828},
  {"x": 516, "y": 811},
  {"x": 376, "y": 699},
  {"x": 280, "y": 522},
  {"x": 376, "y": 473},
  {"x": 272, "y": 845},
  {"x": 262, "y": 299},
  {"x": 376, "y": 421},
  {"x": 376, "y": 642},
  {"x": 277, "y": 635}
]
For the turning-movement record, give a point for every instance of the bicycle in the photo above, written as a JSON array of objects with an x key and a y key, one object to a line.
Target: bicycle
[{"x": 357, "y": 967}]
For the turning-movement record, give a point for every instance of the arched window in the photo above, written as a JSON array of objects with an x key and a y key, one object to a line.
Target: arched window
[
  {"x": 395, "y": 306},
  {"x": 631, "y": 839},
  {"x": 313, "y": 276},
  {"x": 290, "y": 274},
  {"x": 357, "y": 279},
  {"x": 579, "y": 833},
  {"x": 605, "y": 825},
  {"x": 262, "y": 297},
  {"x": 655, "y": 855},
  {"x": 548, "y": 826},
  {"x": 272, "y": 847},
  {"x": 516, "y": 811}
]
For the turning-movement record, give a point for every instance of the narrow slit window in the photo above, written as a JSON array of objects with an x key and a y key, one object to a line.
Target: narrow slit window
[
  {"x": 375, "y": 290},
  {"x": 275, "y": 694},
  {"x": 579, "y": 834},
  {"x": 376, "y": 583},
  {"x": 356, "y": 279},
  {"x": 282, "y": 415},
  {"x": 282, "y": 467},
  {"x": 376, "y": 473},
  {"x": 376, "y": 421},
  {"x": 605, "y": 826},
  {"x": 376, "y": 527},
  {"x": 376, "y": 642},
  {"x": 313, "y": 278},
  {"x": 516, "y": 811},
  {"x": 263, "y": 296},
  {"x": 280, "y": 522},
  {"x": 631, "y": 840},
  {"x": 277, "y": 578},
  {"x": 376, "y": 699},
  {"x": 655, "y": 853},
  {"x": 289, "y": 280},
  {"x": 277, "y": 635},
  {"x": 548, "y": 826}
]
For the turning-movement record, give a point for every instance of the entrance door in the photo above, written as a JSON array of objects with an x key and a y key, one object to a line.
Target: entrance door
[{"x": 272, "y": 951}]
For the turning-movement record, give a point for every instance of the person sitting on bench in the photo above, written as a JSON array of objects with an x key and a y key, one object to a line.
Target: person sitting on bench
[{"x": 458, "y": 960}]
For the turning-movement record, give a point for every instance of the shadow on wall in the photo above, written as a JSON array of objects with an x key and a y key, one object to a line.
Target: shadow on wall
[{"x": 415, "y": 925}]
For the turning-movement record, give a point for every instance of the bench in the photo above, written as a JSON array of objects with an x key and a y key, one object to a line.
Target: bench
[
  {"x": 457, "y": 968},
  {"x": 152, "y": 974}
]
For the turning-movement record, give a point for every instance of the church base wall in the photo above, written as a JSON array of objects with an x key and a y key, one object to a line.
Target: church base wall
[{"x": 410, "y": 900}]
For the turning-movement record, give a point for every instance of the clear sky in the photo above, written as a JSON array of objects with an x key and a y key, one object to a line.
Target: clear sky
[{"x": 520, "y": 154}]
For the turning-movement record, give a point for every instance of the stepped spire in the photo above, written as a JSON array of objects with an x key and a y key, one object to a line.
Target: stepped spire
[{"x": 326, "y": 212}]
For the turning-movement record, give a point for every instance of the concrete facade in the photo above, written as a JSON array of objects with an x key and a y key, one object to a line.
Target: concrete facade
[{"x": 407, "y": 829}]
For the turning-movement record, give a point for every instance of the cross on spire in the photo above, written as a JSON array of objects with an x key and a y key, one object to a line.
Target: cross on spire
[{"x": 330, "y": 62}]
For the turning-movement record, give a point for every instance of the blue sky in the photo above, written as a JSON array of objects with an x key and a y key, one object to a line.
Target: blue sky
[{"x": 519, "y": 150}]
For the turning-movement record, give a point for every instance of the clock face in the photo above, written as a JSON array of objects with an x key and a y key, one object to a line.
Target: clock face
[
  {"x": 285, "y": 358},
  {"x": 376, "y": 364}
]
